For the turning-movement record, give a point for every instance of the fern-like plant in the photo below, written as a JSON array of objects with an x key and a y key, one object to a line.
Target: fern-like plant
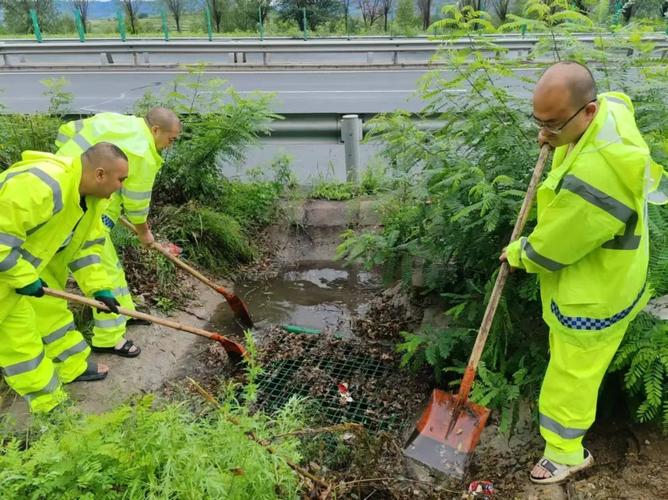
[{"x": 643, "y": 357}]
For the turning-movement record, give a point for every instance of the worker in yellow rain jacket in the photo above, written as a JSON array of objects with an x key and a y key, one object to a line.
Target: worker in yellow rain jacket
[
  {"x": 42, "y": 198},
  {"x": 142, "y": 140},
  {"x": 80, "y": 255},
  {"x": 590, "y": 250}
]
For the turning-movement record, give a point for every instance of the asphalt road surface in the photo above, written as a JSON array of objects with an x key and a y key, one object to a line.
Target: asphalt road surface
[{"x": 297, "y": 92}]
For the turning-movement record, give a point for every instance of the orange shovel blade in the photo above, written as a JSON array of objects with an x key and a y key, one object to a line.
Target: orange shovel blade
[
  {"x": 235, "y": 350},
  {"x": 432, "y": 444}
]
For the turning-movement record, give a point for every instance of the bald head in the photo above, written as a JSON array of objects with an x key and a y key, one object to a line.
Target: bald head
[
  {"x": 162, "y": 117},
  {"x": 165, "y": 126},
  {"x": 104, "y": 168},
  {"x": 571, "y": 80},
  {"x": 102, "y": 153},
  {"x": 564, "y": 103}
]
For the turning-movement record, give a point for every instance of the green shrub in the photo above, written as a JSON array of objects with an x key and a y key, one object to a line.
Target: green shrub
[
  {"x": 218, "y": 125},
  {"x": 643, "y": 357},
  {"x": 36, "y": 132},
  {"x": 251, "y": 204},
  {"x": 154, "y": 449},
  {"x": 211, "y": 238},
  {"x": 337, "y": 191}
]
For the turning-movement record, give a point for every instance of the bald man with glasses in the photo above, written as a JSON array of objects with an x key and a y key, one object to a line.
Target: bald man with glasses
[{"x": 590, "y": 250}]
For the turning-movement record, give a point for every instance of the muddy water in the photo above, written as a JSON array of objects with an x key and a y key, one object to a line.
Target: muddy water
[{"x": 323, "y": 295}]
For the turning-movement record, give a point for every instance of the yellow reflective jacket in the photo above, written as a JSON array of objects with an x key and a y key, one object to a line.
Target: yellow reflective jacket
[
  {"x": 39, "y": 209},
  {"x": 81, "y": 253},
  {"x": 590, "y": 247},
  {"x": 132, "y": 135}
]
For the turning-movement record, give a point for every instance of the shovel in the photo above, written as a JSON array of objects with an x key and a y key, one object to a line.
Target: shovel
[
  {"x": 234, "y": 350},
  {"x": 449, "y": 429},
  {"x": 236, "y": 304}
]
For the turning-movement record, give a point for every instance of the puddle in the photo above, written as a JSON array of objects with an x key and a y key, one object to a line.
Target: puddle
[{"x": 322, "y": 295}]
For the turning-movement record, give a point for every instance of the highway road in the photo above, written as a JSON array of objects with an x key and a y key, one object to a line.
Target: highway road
[{"x": 297, "y": 92}]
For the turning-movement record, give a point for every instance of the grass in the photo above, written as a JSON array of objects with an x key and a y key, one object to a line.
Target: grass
[
  {"x": 212, "y": 238},
  {"x": 189, "y": 448}
]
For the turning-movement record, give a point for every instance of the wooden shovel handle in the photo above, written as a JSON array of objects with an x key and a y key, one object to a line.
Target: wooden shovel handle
[
  {"x": 501, "y": 278},
  {"x": 179, "y": 263},
  {"x": 70, "y": 297}
]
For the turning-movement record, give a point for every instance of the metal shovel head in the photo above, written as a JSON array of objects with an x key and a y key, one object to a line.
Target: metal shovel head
[
  {"x": 432, "y": 444},
  {"x": 234, "y": 350},
  {"x": 238, "y": 307}
]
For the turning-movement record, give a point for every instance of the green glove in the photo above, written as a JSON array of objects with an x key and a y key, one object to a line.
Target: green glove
[
  {"x": 34, "y": 289},
  {"x": 108, "y": 299}
]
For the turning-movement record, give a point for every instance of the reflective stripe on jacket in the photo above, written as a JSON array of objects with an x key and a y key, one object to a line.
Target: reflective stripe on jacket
[
  {"x": 132, "y": 135},
  {"x": 82, "y": 253},
  {"x": 39, "y": 208},
  {"x": 590, "y": 246}
]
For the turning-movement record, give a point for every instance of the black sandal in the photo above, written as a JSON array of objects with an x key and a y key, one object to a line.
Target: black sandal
[
  {"x": 124, "y": 351},
  {"x": 91, "y": 374}
]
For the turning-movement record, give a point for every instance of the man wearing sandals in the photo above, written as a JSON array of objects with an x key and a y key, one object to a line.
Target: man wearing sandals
[
  {"x": 142, "y": 140},
  {"x": 590, "y": 250},
  {"x": 44, "y": 201}
]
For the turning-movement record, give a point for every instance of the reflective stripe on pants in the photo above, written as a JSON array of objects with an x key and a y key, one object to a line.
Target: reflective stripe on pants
[
  {"x": 63, "y": 343},
  {"x": 567, "y": 403},
  {"x": 110, "y": 328},
  {"x": 32, "y": 373}
]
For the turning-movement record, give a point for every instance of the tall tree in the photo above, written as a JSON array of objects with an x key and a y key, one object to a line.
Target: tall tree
[
  {"x": 424, "y": 6},
  {"x": 346, "y": 11},
  {"x": 405, "y": 15},
  {"x": 132, "y": 13},
  {"x": 475, "y": 4},
  {"x": 245, "y": 14},
  {"x": 370, "y": 10},
  {"x": 317, "y": 11},
  {"x": 386, "y": 7},
  {"x": 81, "y": 6},
  {"x": 17, "y": 17},
  {"x": 216, "y": 8},
  {"x": 176, "y": 7},
  {"x": 500, "y": 8}
]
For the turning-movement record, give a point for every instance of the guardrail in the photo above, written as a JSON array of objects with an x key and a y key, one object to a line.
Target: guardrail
[{"x": 267, "y": 53}]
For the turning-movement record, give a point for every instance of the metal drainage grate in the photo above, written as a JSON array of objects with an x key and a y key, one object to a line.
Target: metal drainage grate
[{"x": 280, "y": 382}]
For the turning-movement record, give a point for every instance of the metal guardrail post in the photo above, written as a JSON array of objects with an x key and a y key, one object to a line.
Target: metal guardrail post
[
  {"x": 165, "y": 29},
  {"x": 618, "y": 13},
  {"x": 79, "y": 24},
  {"x": 351, "y": 134},
  {"x": 260, "y": 23},
  {"x": 207, "y": 16},
  {"x": 121, "y": 24},
  {"x": 35, "y": 25}
]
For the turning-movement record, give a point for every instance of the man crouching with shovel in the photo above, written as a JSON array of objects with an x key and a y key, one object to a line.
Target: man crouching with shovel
[{"x": 590, "y": 249}]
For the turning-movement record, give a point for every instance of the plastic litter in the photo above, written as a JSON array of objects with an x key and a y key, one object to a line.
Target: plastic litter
[{"x": 481, "y": 489}]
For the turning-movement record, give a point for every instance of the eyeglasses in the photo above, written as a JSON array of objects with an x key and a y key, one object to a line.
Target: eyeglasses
[{"x": 555, "y": 131}]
